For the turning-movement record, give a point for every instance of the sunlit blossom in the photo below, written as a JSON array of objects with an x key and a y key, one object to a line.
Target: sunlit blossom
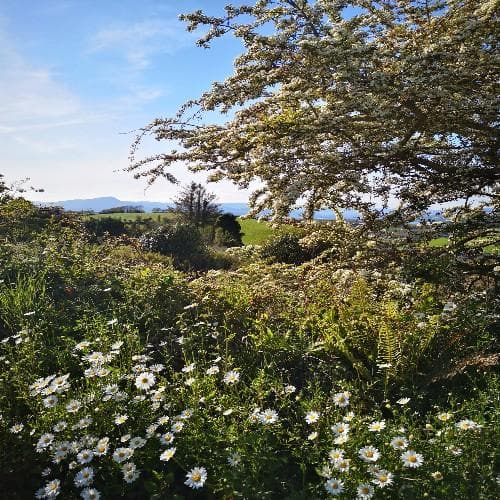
[{"x": 196, "y": 477}]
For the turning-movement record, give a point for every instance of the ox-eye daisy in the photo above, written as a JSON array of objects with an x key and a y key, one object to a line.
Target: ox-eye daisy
[
  {"x": 231, "y": 377},
  {"x": 365, "y": 491},
  {"x": 167, "y": 454},
  {"x": 341, "y": 399},
  {"x": 399, "y": 443},
  {"x": 377, "y": 426},
  {"x": 196, "y": 477},
  {"x": 145, "y": 381},
  {"x": 334, "y": 486},
  {"x": 369, "y": 454},
  {"x": 412, "y": 459},
  {"x": 312, "y": 417},
  {"x": 383, "y": 478}
]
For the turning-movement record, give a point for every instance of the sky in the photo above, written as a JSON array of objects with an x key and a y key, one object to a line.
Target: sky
[{"x": 77, "y": 77}]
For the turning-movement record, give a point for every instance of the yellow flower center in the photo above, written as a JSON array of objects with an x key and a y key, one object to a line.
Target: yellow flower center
[
  {"x": 412, "y": 458},
  {"x": 382, "y": 479},
  {"x": 369, "y": 454},
  {"x": 196, "y": 476}
]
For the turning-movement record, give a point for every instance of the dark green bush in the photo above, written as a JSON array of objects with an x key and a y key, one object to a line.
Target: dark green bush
[{"x": 285, "y": 248}]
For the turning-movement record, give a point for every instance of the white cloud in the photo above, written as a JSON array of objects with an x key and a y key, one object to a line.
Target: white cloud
[{"x": 140, "y": 42}]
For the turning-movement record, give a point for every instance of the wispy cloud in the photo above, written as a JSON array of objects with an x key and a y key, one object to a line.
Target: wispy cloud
[{"x": 140, "y": 42}]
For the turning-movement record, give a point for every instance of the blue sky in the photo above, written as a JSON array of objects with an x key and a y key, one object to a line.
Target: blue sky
[{"x": 76, "y": 74}]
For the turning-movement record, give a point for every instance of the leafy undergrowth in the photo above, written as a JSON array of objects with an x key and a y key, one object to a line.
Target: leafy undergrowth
[{"x": 122, "y": 378}]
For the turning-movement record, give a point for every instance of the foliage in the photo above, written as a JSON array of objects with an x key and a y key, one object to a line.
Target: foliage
[
  {"x": 284, "y": 248},
  {"x": 105, "y": 225},
  {"x": 195, "y": 205},
  {"x": 228, "y": 230},
  {"x": 391, "y": 99}
]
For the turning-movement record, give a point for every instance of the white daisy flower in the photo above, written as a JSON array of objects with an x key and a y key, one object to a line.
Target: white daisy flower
[
  {"x": 403, "y": 401},
  {"x": 383, "y": 478},
  {"x": 369, "y": 454},
  {"x": 45, "y": 440},
  {"x": 120, "y": 419},
  {"x": 90, "y": 494},
  {"x": 17, "y": 428},
  {"x": 336, "y": 454},
  {"x": 377, "y": 426},
  {"x": 312, "y": 436},
  {"x": 167, "y": 454},
  {"x": 444, "y": 417},
  {"x": 312, "y": 417},
  {"x": 213, "y": 370},
  {"x": 467, "y": 425},
  {"x": 437, "y": 476},
  {"x": 50, "y": 401},
  {"x": 334, "y": 486},
  {"x": 167, "y": 438},
  {"x": 268, "y": 416},
  {"x": 177, "y": 427},
  {"x": 137, "y": 442},
  {"x": 85, "y": 456},
  {"x": 196, "y": 477},
  {"x": 163, "y": 420},
  {"x": 60, "y": 426},
  {"x": 340, "y": 429},
  {"x": 365, "y": 491},
  {"x": 84, "y": 477},
  {"x": 399, "y": 443},
  {"x": 289, "y": 389},
  {"x": 341, "y": 399},
  {"x": 342, "y": 465},
  {"x": 412, "y": 459},
  {"x": 122, "y": 454},
  {"x": 130, "y": 477},
  {"x": 52, "y": 488},
  {"x": 231, "y": 377},
  {"x": 234, "y": 460},
  {"x": 188, "y": 368},
  {"x": 73, "y": 406},
  {"x": 102, "y": 446},
  {"x": 145, "y": 381}
]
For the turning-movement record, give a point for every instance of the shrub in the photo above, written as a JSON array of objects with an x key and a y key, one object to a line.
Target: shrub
[
  {"x": 285, "y": 248},
  {"x": 228, "y": 231},
  {"x": 110, "y": 225}
]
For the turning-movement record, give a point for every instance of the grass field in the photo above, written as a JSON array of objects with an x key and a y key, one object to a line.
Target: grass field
[{"x": 254, "y": 232}]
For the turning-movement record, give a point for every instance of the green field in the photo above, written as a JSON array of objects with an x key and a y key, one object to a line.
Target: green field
[{"x": 254, "y": 231}]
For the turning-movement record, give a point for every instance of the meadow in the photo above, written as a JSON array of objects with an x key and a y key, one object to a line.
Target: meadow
[{"x": 366, "y": 371}]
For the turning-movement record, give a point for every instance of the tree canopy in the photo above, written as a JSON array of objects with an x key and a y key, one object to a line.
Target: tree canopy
[
  {"x": 337, "y": 107},
  {"x": 196, "y": 205}
]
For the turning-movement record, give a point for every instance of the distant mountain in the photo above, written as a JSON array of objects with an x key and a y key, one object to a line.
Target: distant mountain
[{"x": 103, "y": 203}]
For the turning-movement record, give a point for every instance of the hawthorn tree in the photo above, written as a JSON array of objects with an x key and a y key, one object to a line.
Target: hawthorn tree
[{"x": 342, "y": 104}]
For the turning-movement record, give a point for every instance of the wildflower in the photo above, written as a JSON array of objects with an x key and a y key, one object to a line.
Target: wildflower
[
  {"x": 50, "y": 401},
  {"x": 116, "y": 346},
  {"x": 167, "y": 438},
  {"x": 188, "y": 368},
  {"x": 137, "y": 442},
  {"x": 312, "y": 417},
  {"x": 290, "y": 389},
  {"x": 455, "y": 450},
  {"x": 365, "y": 491},
  {"x": 212, "y": 370},
  {"x": 187, "y": 413},
  {"x": 412, "y": 459},
  {"x": 84, "y": 477},
  {"x": 102, "y": 446},
  {"x": 312, "y": 436},
  {"x": 255, "y": 415},
  {"x": 399, "y": 443},
  {"x": 342, "y": 465},
  {"x": 120, "y": 419},
  {"x": 125, "y": 438},
  {"x": 336, "y": 454},
  {"x": 437, "y": 476},
  {"x": 177, "y": 427},
  {"x": 73, "y": 406},
  {"x": 383, "y": 478},
  {"x": 145, "y": 381},
  {"x": 122, "y": 454},
  {"x": 167, "y": 454},
  {"x": 268, "y": 416},
  {"x": 52, "y": 488},
  {"x": 157, "y": 368},
  {"x": 467, "y": 425},
  {"x": 17, "y": 428},
  {"x": 190, "y": 381},
  {"x": 231, "y": 377},
  {"x": 85, "y": 456},
  {"x": 163, "y": 420},
  {"x": 444, "y": 417},
  {"x": 46, "y": 472},
  {"x": 196, "y": 477},
  {"x": 334, "y": 487},
  {"x": 60, "y": 426},
  {"x": 403, "y": 401},
  {"x": 340, "y": 429},
  {"x": 234, "y": 460},
  {"x": 45, "y": 441},
  {"x": 349, "y": 417},
  {"x": 227, "y": 412},
  {"x": 130, "y": 477},
  {"x": 377, "y": 426},
  {"x": 82, "y": 345},
  {"x": 341, "y": 399},
  {"x": 90, "y": 494},
  {"x": 369, "y": 454}
]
